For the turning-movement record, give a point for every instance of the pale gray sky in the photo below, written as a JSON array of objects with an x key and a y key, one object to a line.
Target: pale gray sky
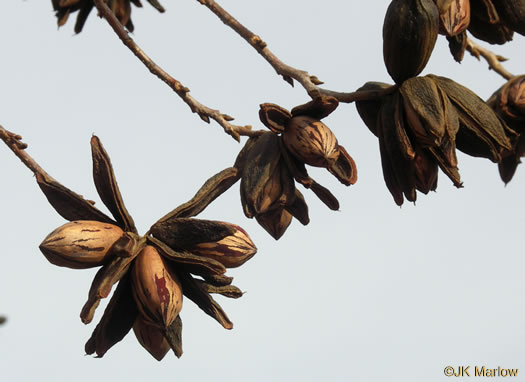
[{"x": 368, "y": 293}]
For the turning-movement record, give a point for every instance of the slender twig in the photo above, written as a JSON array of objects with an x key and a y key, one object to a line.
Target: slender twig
[
  {"x": 14, "y": 142},
  {"x": 494, "y": 60},
  {"x": 309, "y": 82},
  {"x": 183, "y": 92}
]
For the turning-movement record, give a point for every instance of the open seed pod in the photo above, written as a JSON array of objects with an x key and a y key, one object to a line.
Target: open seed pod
[
  {"x": 151, "y": 276},
  {"x": 416, "y": 127},
  {"x": 267, "y": 185},
  {"x": 308, "y": 139}
]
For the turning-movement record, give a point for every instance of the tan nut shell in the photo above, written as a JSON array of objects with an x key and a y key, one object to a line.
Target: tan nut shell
[
  {"x": 156, "y": 288},
  {"x": 231, "y": 251},
  {"x": 81, "y": 244},
  {"x": 311, "y": 141}
]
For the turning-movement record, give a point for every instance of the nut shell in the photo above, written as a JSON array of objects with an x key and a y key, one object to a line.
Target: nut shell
[
  {"x": 156, "y": 288},
  {"x": 231, "y": 251},
  {"x": 81, "y": 244},
  {"x": 311, "y": 141}
]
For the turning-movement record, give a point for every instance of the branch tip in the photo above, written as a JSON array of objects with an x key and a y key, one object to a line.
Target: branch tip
[
  {"x": 288, "y": 73},
  {"x": 204, "y": 112},
  {"x": 494, "y": 60}
]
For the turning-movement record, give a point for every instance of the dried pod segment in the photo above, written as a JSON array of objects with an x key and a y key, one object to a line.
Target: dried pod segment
[
  {"x": 70, "y": 205},
  {"x": 396, "y": 151},
  {"x": 226, "y": 243},
  {"x": 509, "y": 103},
  {"x": 426, "y": 108},
  {"x": 261, "y": 183},
  {"x": 275, "y": 222},
  {"x": 454, "y": 17},
  {"x": 410, "y": 32},
  {"x": 513, "y": 14},
  {"x": 426, "y": 169},
  {"x": 197, "y": 293},
  {"x": 198, "y": 265},
  {"x": 117, "y": 321},
  {"x": 63, "y": 8},
  {"x": 369, "y": 110},
  {"x": 457, "y": 45},
  {"x": 106, "y": 277},
  {"x": 434, "y": 122},
  {"x": 151, "y": 338},
  {"x": 299, "y": 208},
  {"x": 230, "y": 291},
  {"x": 210, "y": 190},
  {"x": 486, "y": 23},
  {"x": 156, "y": 288},
  {"x": 300, "y": 174},
  {"x": 274, "y": 117},
  {"x": 313, "y": 143},
  {"x": 481, "y": 132},
  {"x": 81, "y": 244},
  {"x": 107, "y": 186},
  {"x": 317, "y": 108},
  {"x": 174, "y": 336},
  {"x": 121, "y": 9}
]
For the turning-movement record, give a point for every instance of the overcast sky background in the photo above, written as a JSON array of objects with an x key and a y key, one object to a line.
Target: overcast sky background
[{"x": 370, "y": 293}]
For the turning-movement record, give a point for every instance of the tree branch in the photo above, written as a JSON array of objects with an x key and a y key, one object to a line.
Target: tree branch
[
  {"x": 183, "y": 92},
  {"x": 494, "y": 60},
  {"x": 309, "y": 82},
  {"x": 14, "y": 142}
]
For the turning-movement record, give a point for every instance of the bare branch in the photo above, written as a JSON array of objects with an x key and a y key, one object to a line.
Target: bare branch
[
  {"x": 14, "y": 142},
  {"x": 492, "y": 59},
  {"x": 203, "y": 111},
  {"x": 309, "y": 82}
]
